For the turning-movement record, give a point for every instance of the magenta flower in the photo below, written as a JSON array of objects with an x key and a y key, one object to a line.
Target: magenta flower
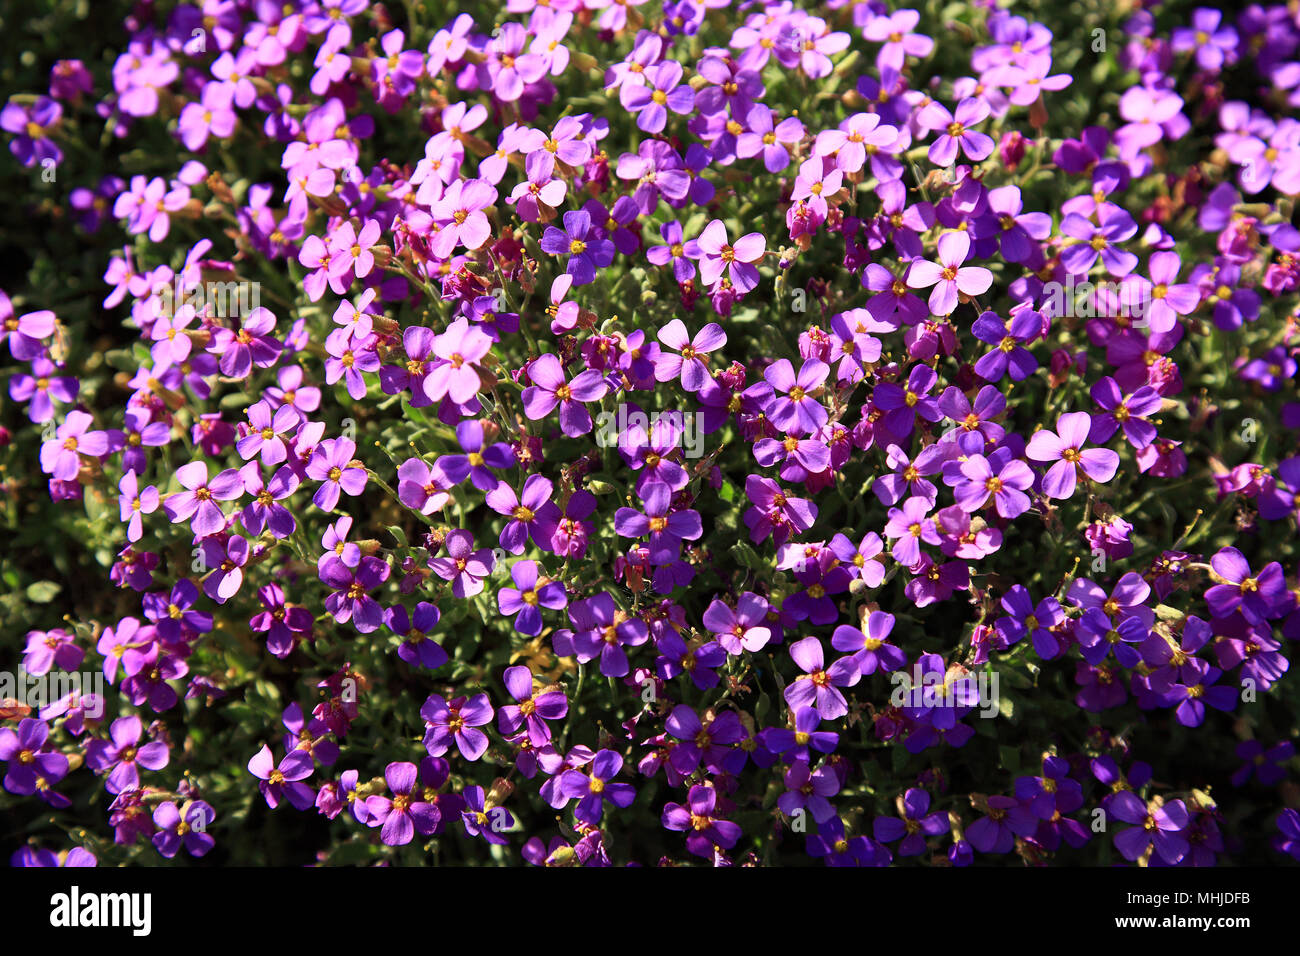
[
  {"x": 134, "y": 503},
  {"x": 550, "y": 388},
  {"x": 1065, "y": 448},
  {"x": 25, "y": 335},
  {"x": 200, "y": 498},
  {"x": 350, "y": 600},
  {"x": 403, "y": 814},
  {"x": 718, "y": 256},
  {"x": 332, "y": 464},
  {"x": 459, "y": 214},
  {"x": 264, "y": 431},
  {"x": 422, "y": 487},
  {"x": 121, "y": 753},
  {"x": 464, "y": 567},
  {"x": 250, "y": 345},
  {"x": 60, "y": 457},
  {"x": 910, "y": 525},
  {"x": 508, "y": 68},
  {"x": 742, "y": 629},
  {"x": 793, "y": 408},
  {"x": 1006, "y": 485},
  {"x": 948, "y": 276},
  {"x": 956, "y": 131},
  {"x": 456, "y": 721},
  {"x": 659, "y": 93},
  {"x": 531, "y": 710},
  {"x": 688, "y": 364},
  {"x": 284, "y": 780},
  {"x": 532, "y": 513},
  {"x": 31, "y": 766},
  {"x": 31, "y": 125},
  {"x": 818, "y": 686},
  {"x": 895, "y": 32}
]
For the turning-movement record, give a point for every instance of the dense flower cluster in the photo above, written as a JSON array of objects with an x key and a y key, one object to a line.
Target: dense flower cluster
[{"x": 698, "y": 423}]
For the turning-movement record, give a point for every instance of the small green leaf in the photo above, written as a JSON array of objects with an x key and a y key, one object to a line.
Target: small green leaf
[{"x": 43, "y": 592}]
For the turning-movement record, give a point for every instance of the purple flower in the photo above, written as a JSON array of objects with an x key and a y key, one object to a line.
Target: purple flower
[
  {"x": 793, "y": 409},
  {"x": 464, "y": 567},
  {"x": 713, "y": 744},
  {"x": 532, "y": 513},
  {"x": 948, "y": 276},
  {"x": 601, "y": 630},
  {"x": 283, "y": 780},
  {"x": 25, "y": 335},
  {"x": 1125, "y": 411},
  {"x": 60, "y": 457},
  {"x": 333, "y": 464},
  {"x": 1158, "y": 826},
  {"x": 134, "y": 503},
  {"x": 484, "y": 821},
  {"x": 956, "y": 132},
  {"x": 199, "y": 500},
  {"x": 742, "y": 629},
  {"x": 587, "y": 252},
  {"x": 914, "y": 825},
  {"x": 703, "y": 830},
  {"x": 189, "y": 830},
  {"x": 911, "y": 525},
  {"x": 120, "y": 755},
  {"x": 1024, "y": 618},
  {"x": 1007, "y": 818},
  {"x": 1099, "y": 240},
  {"x": 550, "y": 388},
  {"x": 531, "y": 709},
  {"x": 250, "y": 345},
  {"x": 1064, "y": 448},
  {"x": 1258, "y": 596},
  {"x": 688, "y": 364},
  {"x": 403, "y": 814},
  {"x": 279, "y": 621},
  {"x": 593, "y": 789},
  {"x": 31, "y": 125},
  {"x": 456, "y": 721},
  {"x": 661, "y": 91},
  {"x": 416, "y": 648},
  {"x": 227, "y": 560},
  {"x": 773, "y": 513},
  {"x": 871, "y": 650},
  {"x": 1214, "y": 44},
  {"x": 667, "y": 529},
  {"x": 31, "y": 767},
  {"x": 718, "y": 256},
  {"x": 1006, "y": 485},
  {"x": 526, "y": 599},
  {"x": 350, "y": 600},
  {"x": 818, "y": 686}
]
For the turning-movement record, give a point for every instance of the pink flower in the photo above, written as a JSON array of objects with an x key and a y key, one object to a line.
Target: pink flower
[
  {"x": 1064, "y": 447},
  {"x": 947, "y": 276},
  {"x": 716, "y": 255}
]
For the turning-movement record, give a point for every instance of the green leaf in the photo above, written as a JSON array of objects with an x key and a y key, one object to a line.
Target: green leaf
[
  {"x": 1009, "y": 757},
  {"x": 43, "y": 592}
]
